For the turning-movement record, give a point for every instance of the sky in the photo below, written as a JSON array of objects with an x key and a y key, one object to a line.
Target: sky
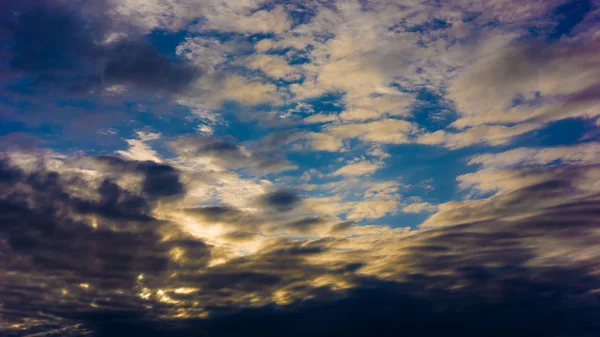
[{"x": 299, "y": 168}]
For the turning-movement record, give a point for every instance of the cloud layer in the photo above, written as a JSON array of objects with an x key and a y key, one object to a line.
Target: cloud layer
[{"x": 298, "y": 168}]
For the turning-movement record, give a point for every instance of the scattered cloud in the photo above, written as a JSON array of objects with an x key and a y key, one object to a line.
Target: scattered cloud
[
  {"x": 357, "y": 169},
  {"x": 322, "y": 168},
  {"x": 419, "y": 207}
]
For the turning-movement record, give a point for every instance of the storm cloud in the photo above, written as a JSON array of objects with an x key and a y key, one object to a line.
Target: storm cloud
[{"x": 66, "y": 45}]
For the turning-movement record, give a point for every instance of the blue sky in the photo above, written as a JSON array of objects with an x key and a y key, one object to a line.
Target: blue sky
[{"x": 215, "y": 133}]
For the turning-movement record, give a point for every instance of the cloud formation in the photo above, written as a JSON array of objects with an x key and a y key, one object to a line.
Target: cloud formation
[
  {"x": 62, "y": 43},
  {"x": 56, "y": 227},
  {"x": 323, "y": 168}
]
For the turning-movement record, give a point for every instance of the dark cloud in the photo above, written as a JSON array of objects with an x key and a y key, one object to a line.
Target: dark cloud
[
  {"x": 50, "y": 37},
  {"x": 139, "y": 64},
  {"x": 242, "y": 281},
  {"x": 282, "y": 200},
  {"x": 233, "y": 217},
  {"x": 8, "y": 174},
  {"x": 78, "y": 245},
  {"x": 62, "y": 46},
  {"x": 217, "y": 213},
  {"x": 387, "y": 309},
  {"x": 116, "y": 203},
  {"x": 559, "y": 188},
  {"x": 160, "y": 180},
  {"x": 306, "y": 225},
  {"x": 240, "y": 236},
  {"x": 342, "y": 226},
  {"x": 500, "y": 276},
  {"x": 84, "y": 253}
]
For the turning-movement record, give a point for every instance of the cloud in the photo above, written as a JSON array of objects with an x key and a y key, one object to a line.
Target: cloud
[
  {"x": 49, "y": 40},
  {"x": 226, "y": 215},
  {"x": 391, "y": 131},
  {"x": 387, "y": 131},
  {"x": 320, "y": 118},
  {"x": 520, "y": 167},
  {"x": 102, "y": 238},
  {"x": 374, "y": 106},
  {"x": 372, "y": 209},
  {"x": 580, "y": 154},
  {"x": 261, "y": 21},
  {"x": 527, "y": 84},
  {"x": 521, "y": 194},
  {"x": 140, "y": 65},
  {"x": 307, "y": 224},
  {"x": 376, "y": 199},
  {"x": 357, "y": 169},
  {"x": 324, "y": 142},
  {"x": 153, "y": 14},
  {"x": 68, "y": 220},
  {"x": 139, "y": 150},
  {"x": 483, "y": 134},
  {"x": 203, "y": 52},
  {"x": 281, "y": 201},
  {"x": 272, "y": 65},
  {"x": 159, "y": 180},
  {"x": 226, "y": 153},
  {"x": 379, "y": 199},
  {"x": 56, "y": 43},
  {"x": 241, "y": 90},
  {"x": 206, "y": 236},
  {"x": 419, "y": 208}
]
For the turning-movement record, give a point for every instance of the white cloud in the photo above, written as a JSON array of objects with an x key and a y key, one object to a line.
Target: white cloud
[
  {"x": 203, "y": 52},
  {"x": 357, "y": 169},
  {"x": 420, "y": 207},
  {"x": 391, "y": 131},
  {"x": 483, "y": 134},
  {"x": 205, "y": 129},
  {"x": 524, "y": 87},
  {"x": 324, "y": 142},
  {"x": 139, "y": 150},
  {"x": 242, "y": 90},
  {"x": 320, "y": 118},
  {"x": 372, "y": 209},
  {"x": 262, "y": 21},
  {"x": 273, "y": 65},
  {"x": 580, "y": 154}
]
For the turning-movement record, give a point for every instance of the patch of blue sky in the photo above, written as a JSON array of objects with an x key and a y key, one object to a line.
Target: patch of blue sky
[
  {"x": 398, "y": 220},
  {"x": 166, "y": 42},
  {"x": 246, "y": 129},
  {"x": 80, "y": 103},
  {"x": 22, "y": 85},
  {"x": 428, "y": 172},
  {"x": 221, "y": 36},
  {"x": 329, "y": 103},
  {"x": 253, "y": 38},
  {"x": 170, "y": 119},
  {"x": 559, "y": 133},
  {"x": 321, "y": 161},
  {"x": 432, "y": 25},
  {"x": 567, "y": 16},
  {"x": 560, "y": 22},
  {"x": 432, "y": 111},
  {"x": 40, "y": 130}
]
